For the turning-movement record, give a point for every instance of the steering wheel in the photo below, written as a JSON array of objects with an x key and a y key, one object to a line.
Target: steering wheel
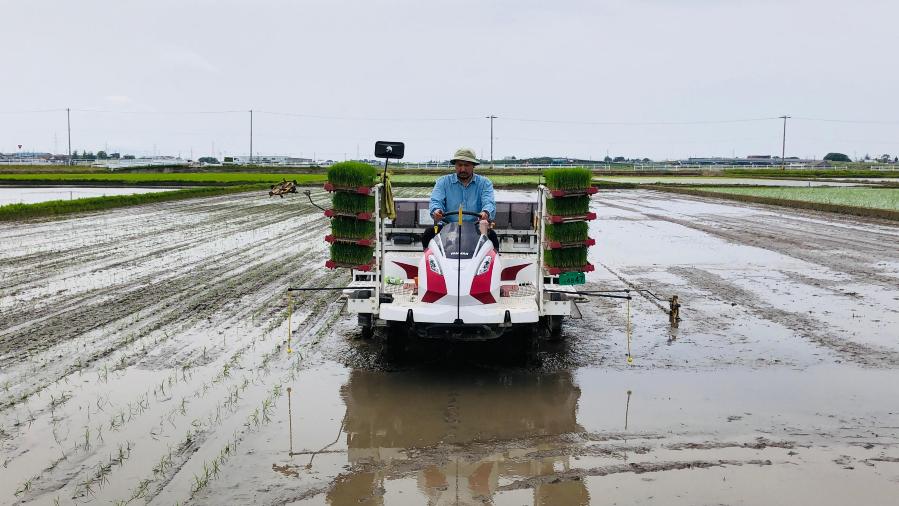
[{"x": 453, "y": 215}]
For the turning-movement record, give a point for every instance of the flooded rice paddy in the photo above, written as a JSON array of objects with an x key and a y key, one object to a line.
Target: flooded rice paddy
[
  {"x": 143, "y": 359},
  {"x": 739, "y": 181},
  {"x": 33, "y": 195}
]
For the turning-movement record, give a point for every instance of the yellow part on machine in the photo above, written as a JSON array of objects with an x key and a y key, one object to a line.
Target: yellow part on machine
[{"x": 388, "y": 209}]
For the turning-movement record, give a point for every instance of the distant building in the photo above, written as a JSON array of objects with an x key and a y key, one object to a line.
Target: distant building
[{"x": 267, "y": 160}]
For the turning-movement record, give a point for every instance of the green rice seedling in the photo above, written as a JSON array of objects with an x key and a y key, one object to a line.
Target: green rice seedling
[
  {"x": 24, "y": 488},
  {"x": 566, "y": 257},
  {"x": 352, "y": 174},
  {"x": 568, "y": 206},
  {"x": 574, "y": 178},
  {"x": 353, "y": 203},
  {"x": 567, "y": 232},
  {"x": 351, "y": 228},
  {"x": 351, "y": 254}
]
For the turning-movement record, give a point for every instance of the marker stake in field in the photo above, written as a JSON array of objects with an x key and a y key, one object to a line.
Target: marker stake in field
[
  {"x": 630, "y": 359},
  {"x": 290, "y": 420},
  {"x": 289, "y": 318}
]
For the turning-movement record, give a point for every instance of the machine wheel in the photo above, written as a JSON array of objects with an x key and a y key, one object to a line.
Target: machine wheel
[
  {"x": 521, "y": 345},
  {"x": 553, "y": 322},
  {"x": 366, "y": 320},
  {"x": 366, "y": 325}
]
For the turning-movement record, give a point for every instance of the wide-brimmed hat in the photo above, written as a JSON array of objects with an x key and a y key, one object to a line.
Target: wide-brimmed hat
[{"x": 465, "y": 155}]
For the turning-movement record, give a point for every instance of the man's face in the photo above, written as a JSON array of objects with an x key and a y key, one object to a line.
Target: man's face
[{"x": 464, "y": 170}]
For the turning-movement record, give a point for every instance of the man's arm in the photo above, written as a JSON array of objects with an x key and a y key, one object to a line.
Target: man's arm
[
  {"x": 438, "y": 197},
  {"x": 488, "y": 201}
]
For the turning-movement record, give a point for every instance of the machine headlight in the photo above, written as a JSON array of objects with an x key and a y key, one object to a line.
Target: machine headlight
[
  {"x": 485, "y": 265},
  {"x": 434, "y": 265}
]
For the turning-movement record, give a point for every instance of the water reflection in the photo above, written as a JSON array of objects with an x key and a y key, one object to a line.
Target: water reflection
[{"x": 458, "y": 435}]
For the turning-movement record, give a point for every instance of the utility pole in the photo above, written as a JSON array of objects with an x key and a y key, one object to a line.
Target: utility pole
[
  {"x": 251, "y": 136},
  {"x": 491, "y": 118},
  {"x": 69, "y": 128},
  {"x": 783, "y": 147}
]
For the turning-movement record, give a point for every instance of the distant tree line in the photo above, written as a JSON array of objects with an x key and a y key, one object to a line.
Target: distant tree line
[
  {"x": 100, "y": 155},
  {"x": 840, "y": 157}
]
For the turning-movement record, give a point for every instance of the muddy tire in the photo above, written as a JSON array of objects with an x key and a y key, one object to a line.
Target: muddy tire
[
  {"x": 553, "y": 322},
  {"x": 366, "y": 325},
  {"x": 520, "y": 345},
  {"x": 396, "y": 340}
]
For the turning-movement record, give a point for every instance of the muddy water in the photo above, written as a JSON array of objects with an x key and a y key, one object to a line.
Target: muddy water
[{"x": 143, "y": 358}]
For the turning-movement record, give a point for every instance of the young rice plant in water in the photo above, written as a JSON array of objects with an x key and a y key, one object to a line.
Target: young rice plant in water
[
  {"x": 567, "y": 178},
  {"x": 351, "y": 254},
  {"x": 352, "y": 174},
  {"x": 567, "y": 232},
  {"x": 568, "y": 206},
  {"x": 353, "y": 202},
  {"x": 351, "y": 228},
  {"x": 566, "y": 257}
]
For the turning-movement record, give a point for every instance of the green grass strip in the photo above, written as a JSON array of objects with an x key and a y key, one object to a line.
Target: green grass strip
[
  {"x": 159, "y": 178},
  {"x": 12, "y": 212},
  {"x": 352, "y": 174},
  {"x": 353, "y": 202},
  {"x": 567, "y": 232},
  {"x": 568, "y": 206},
  {"x": 857, "y": 170},
  {"x": 574, "y": 178},
  {"x": 871, "y": 198},
  {"x": 351, "y": 254},
  {"x": 351, "y": 228},
  {"x": 567, "y": 257}
]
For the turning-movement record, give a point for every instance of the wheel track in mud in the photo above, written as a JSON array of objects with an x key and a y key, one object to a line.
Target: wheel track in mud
[
  {"x": 261, "y": 372},
  {"x": 181, "y": 301},
  {"x": 60, "y": 328},
  {"x": 269, "y": 275},
  {"x": 13, "y": 319},
  {"x": 793, "y": 236},
  {"x": 99, "y": 252}
]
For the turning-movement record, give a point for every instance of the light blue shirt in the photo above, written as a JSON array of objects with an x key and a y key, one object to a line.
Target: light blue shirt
[{"x": 449, "y": 192}]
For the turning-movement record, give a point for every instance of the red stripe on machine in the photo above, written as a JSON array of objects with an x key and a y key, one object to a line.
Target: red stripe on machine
[{"x": 511, "y": 272}]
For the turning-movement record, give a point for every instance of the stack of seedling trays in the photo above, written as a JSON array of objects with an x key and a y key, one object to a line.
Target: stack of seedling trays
[
  {"x": 352, "y": 236},
  {"x": 566, "y": 230}
]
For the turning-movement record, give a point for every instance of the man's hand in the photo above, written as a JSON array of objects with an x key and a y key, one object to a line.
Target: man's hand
[
  {"x": 485, "y": 216},
  {"x": 438, "y": 215}
]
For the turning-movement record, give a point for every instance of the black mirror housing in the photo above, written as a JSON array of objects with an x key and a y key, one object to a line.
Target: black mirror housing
[{"x": 389, "y": 149}]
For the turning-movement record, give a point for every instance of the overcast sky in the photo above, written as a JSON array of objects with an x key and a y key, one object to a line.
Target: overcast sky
[{"x": 656, "y": 78}]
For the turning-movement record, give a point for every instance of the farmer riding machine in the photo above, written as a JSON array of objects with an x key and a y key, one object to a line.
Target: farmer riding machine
[{"x": 460, "y": 287}]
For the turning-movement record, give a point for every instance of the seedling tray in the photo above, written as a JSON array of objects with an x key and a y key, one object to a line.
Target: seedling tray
[
  {"x": 361, "y": 190},
  {"x": 365, "y": 216},
  {"x": 358, "y": 242},
  {"x": 573, "y": 244},
  {"x": 553, "y": 271},
  {"x": 573, "y": 193},
  {"x": 331, "y": 264},
  {"x": 554, "y": 218}
]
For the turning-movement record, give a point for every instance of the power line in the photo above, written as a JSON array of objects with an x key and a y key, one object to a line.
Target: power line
[
  {"x": 640, "y": 123},
  {"x": 459, "y": 118},
  {"x": 363, "y": 118},
  {"x": 111, "y": 111},
  {"x": 33, "y": 111},
  {"x": 861, "y": 121}
]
